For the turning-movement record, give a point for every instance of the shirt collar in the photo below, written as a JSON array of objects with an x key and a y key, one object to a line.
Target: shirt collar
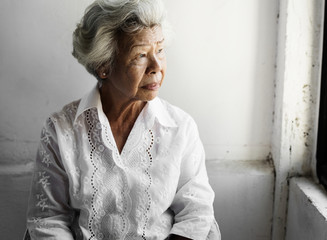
[
  {"x": 91, "y": 100},
  {"x": 154, "y": 109}
]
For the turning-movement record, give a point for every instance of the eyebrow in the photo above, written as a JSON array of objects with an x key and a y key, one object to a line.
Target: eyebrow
[{"x": 146, "y": 44}]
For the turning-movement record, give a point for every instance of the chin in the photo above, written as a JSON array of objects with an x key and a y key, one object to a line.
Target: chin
[{"x": 150, "y": 97}]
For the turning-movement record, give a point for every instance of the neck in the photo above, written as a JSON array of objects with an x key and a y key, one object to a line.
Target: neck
[{"x": 119, "y": 110}]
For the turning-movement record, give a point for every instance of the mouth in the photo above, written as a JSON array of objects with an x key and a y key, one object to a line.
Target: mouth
[{"x": 151, "y": 86}]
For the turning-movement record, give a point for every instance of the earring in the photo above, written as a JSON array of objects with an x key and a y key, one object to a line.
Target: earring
[{"x": 104, "y": 74}]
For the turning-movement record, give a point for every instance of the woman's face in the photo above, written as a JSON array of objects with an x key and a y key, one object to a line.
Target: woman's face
[{"x": 140, "y": 65}]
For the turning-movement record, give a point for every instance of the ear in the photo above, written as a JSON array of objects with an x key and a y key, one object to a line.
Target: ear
[{"x": 102, "y": 73}]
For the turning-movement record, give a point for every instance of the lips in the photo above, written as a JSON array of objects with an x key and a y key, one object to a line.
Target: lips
[{"x": 151, "y": 86}]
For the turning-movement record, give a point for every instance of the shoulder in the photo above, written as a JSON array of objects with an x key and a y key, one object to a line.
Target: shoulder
[{"x": 66, "y": 115}]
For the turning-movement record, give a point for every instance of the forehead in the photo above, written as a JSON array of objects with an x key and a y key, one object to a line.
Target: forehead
[{"x": 147, "y": 36}]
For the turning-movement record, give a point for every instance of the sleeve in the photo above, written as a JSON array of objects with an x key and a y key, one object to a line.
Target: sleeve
[
  {"x": 193, "y": 202},
  {"x": 49, "y": 215}
]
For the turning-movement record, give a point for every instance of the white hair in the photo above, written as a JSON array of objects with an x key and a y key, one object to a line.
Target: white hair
[{"x": 95, "y": 38}]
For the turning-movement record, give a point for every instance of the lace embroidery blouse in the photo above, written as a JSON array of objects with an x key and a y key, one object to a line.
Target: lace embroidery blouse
[{"x": 83, "y": 188}]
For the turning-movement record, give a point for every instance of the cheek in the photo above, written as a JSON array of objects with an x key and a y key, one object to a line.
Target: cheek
[{"x": 135, "y": 75}]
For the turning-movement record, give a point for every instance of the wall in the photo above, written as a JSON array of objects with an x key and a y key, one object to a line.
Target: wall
[
  {"x": 244, "y": 198},
  {"x": 307, "y": 211},
  {"x": 220, "y": 70}
]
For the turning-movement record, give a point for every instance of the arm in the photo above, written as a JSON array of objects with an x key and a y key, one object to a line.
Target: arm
[
  {"x": 193, "y": 202},
  {"x": 49, "y": 214}
]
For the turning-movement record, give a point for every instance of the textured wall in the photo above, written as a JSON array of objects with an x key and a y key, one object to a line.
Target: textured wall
[
  {"x": 300, "y": 34},
  {"x": 220, "y": 69},
  {"x": 307, "y": 211},
  {"x": 244, "y": 198},
  {"x": 243, "y": 204}
]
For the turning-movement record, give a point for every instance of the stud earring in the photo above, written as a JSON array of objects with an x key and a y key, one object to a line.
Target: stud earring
[{"x": 104, "y": 74}]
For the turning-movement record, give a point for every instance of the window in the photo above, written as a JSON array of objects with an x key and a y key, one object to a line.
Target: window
[{"x": 322, "y": 127}]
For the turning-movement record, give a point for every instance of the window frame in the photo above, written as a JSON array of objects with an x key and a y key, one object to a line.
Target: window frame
[{"x": 321, "y": 151}]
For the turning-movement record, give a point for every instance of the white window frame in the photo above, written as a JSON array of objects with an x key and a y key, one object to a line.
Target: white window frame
[{"x": 297, "y": 90}]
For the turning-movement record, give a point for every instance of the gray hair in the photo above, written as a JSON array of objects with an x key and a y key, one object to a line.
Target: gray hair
[{"x": 95, "y": 40}]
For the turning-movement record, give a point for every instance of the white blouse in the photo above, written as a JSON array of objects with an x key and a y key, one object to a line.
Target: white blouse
[{"x": 83, "y": 188}]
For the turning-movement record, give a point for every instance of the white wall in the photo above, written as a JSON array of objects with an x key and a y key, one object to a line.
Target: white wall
[
  {"x": 220, "y": 70},
  {"x": 38, "y": 74},
  {"x": 307, "y": 211},
  {"x": 244, "y": 198}
]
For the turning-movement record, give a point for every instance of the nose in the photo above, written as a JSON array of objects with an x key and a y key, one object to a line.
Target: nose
[{"x": 154, "y": 66}]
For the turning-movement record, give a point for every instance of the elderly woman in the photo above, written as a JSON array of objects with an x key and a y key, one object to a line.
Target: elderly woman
[{"x": 121, "y": 163}]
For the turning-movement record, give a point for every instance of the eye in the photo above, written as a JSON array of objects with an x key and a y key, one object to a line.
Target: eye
[
  {"x": 160, "y": 50},
  {"x": 142, "y": 55}
]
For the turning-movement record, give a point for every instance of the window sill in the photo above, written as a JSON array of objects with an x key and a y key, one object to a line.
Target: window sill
[{"x": 307, "y": 210}]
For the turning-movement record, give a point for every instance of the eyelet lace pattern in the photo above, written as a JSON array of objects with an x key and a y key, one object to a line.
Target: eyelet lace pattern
[
  {"x": 110, "y": 202},
  {"x": 146, "y": 212},
  {"x": 115, "y": 196}
]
